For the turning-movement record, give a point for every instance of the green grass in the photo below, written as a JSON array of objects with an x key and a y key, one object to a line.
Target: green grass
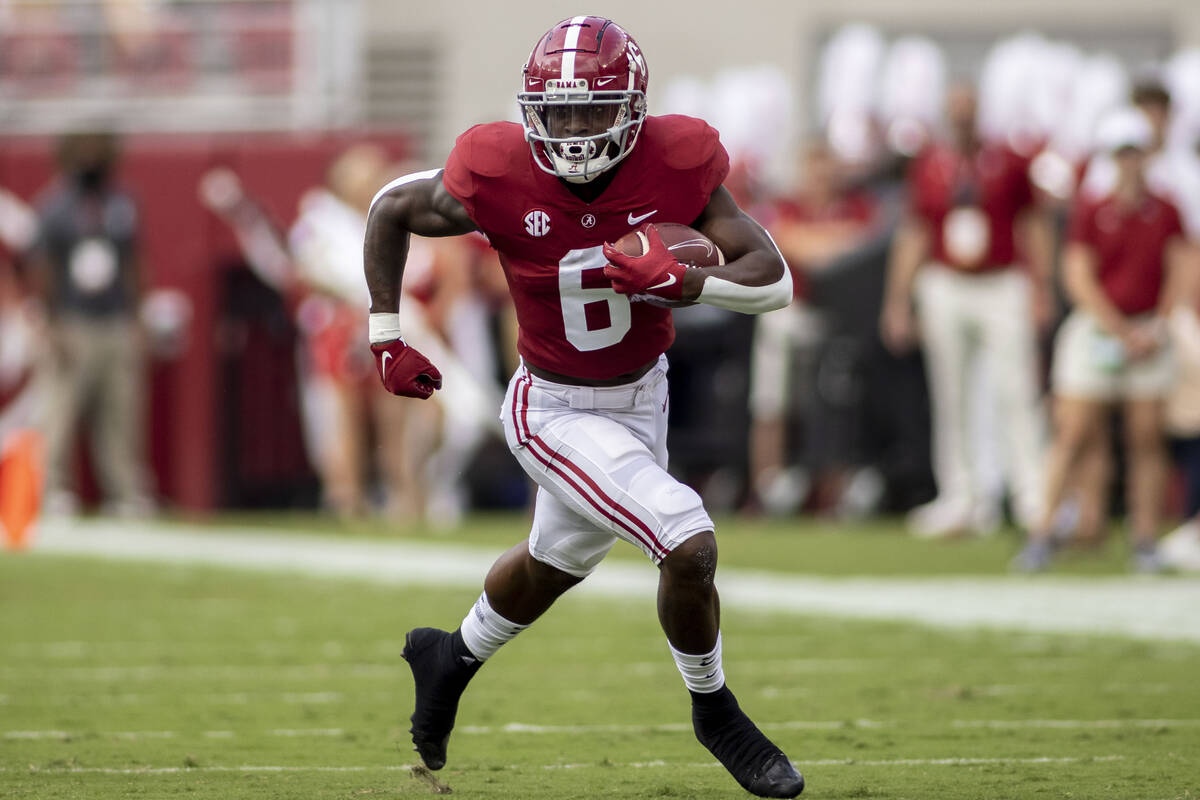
[{"x": 125, "y": 670}]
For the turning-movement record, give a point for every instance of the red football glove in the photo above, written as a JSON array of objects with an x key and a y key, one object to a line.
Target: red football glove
[
  {"x": 404, "y": 371},
  {"x": 655, "y": 272}
]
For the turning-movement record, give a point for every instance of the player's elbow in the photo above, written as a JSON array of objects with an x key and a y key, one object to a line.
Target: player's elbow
[
  {"x": 779, "y": 293},
  {"x": 773, "y": 294}
]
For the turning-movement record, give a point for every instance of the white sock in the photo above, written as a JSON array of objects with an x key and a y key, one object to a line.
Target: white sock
[
  {"x": 701, "y": 673},
  {"x": 484, "y": 631}
]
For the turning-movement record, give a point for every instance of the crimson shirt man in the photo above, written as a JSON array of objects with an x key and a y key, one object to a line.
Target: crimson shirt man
[
  {"x": 957, "y": 255},
  {"x": 585, "y": 415}
]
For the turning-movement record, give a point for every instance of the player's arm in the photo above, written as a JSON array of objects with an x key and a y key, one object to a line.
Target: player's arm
[
  {"x": 419, "y": 204},
  {"x": 753, "y": 279}
]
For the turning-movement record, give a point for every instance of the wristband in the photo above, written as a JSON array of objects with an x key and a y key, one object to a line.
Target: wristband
[{"x": 383, "y": 327}]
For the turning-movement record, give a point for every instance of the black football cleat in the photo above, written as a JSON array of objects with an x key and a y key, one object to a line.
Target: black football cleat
[
  {"x": 750, "y": 757},
  {"x": 441, "y": 666}
]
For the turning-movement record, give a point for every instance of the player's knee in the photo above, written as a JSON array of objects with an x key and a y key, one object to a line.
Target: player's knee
[
  {"x": 548, "y": 576},
  {"x": 693, "y": 561}
]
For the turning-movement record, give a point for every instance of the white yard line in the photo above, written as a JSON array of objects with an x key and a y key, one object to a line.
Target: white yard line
[
  {"x": 515, "y": 728},
  {"x": 1075, "y": 723},
  {"x": 291, "y": 733},
  {"x": 149, "y": 672},
  {"x": 1127, "y": 606},
  {"x": 838, "y": 762}
]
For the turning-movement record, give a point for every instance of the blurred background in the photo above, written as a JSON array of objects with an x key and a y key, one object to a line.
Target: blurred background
[{"x": 183, "y": 188}]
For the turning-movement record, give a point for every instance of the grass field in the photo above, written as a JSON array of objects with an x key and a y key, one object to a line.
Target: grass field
[{"x": 131, "y": 680}]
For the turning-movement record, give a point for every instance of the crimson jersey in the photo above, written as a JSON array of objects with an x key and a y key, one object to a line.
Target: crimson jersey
[
  {"x": 1129, "y": 244},
  {"x": 571, "y": 320}
]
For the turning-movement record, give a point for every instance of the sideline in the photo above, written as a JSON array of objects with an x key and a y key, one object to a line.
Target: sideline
[{"x": 1134, "y": 606}]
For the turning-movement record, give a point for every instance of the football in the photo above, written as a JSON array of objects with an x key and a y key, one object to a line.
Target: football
[{"x": 689, "y": 246}]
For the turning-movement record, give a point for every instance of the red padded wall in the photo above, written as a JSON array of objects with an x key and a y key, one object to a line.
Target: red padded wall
[{"x": 185, "y": 247}]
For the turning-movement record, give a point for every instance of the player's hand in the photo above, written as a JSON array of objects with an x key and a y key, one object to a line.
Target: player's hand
[
  {"x": 404, "y": 371},
  {"x": 655, "y": 272}
]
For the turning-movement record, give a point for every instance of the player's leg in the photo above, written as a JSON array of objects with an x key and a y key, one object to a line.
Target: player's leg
[
  {"x": 689, "y": 610},
  {"x": 522, "y": 584},
  {"x": 609, "y": 468}
]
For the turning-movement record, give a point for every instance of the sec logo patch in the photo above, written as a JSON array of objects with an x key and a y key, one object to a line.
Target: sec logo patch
[{"x": 537, "y": 222}]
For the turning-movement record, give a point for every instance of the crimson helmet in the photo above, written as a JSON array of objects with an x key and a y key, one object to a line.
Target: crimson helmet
[{"x": 584, "y": 64}]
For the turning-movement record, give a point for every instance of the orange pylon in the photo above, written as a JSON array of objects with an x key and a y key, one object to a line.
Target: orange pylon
[{"x": 21, "y": 475}]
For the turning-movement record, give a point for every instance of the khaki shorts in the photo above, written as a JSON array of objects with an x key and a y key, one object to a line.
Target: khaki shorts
[{"x": 1089, "y": 363}]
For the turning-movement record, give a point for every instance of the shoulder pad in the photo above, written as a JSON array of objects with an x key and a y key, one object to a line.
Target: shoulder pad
[
  {"x": 492, "y": 149},
  {"x": 685, "y": 142}
]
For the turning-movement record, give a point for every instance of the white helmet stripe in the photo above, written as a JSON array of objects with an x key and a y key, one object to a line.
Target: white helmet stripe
[{"x": 575, "y": 26}]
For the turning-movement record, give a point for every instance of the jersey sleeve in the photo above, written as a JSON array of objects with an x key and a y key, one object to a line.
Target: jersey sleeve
[
  {"x": 457, "y": 176},
  {"x": 691, "y": 145},
  {"x": 484, "y": 154}
]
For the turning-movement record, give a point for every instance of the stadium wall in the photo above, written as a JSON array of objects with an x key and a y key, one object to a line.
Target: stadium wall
[{"x": 483, "y": 43}]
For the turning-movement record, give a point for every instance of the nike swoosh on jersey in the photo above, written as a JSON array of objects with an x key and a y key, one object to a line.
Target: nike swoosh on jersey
[
  {"x": 635, "y": 220},
  {"x": 669, "y": 281}
]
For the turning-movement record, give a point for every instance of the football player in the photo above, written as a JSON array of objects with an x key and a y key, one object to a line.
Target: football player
[{"x": 586, "y": 412}]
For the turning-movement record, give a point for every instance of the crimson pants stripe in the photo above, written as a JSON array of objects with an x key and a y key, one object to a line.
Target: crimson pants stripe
[
  {"x": 646, "y": 536},
  {"x": 518, "y": 404},
  {"x": 525, "y": 404}
]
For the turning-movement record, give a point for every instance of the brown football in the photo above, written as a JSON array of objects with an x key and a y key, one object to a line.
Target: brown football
[{"x": 688, "y": 245}]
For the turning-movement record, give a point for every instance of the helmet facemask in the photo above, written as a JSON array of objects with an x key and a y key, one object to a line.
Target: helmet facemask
[{"x": 555, "y": 121}]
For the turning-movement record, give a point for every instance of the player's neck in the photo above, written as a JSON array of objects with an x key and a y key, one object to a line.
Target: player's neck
[{"x": 590, "y": 191}]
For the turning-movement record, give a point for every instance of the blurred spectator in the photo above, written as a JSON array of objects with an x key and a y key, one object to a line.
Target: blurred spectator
[
  {"x": 1125, "y": 258},
  {"x": 1174, "y": 174},
  {"x": 972, "y": 221},
  {"x": 20, "y": 445},
  {"x": 1170, "y": 172},
  {"x": 422, "y": 448},
  {"x": 85, "y": 261},
  {"x": 820, "y": 222},
  {"x": 1180, "y": 549}
]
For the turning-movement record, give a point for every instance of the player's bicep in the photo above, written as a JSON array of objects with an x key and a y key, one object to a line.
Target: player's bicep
[
  {"x": 420, "y": 204},
  {"x": 747, "y": 246}
]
